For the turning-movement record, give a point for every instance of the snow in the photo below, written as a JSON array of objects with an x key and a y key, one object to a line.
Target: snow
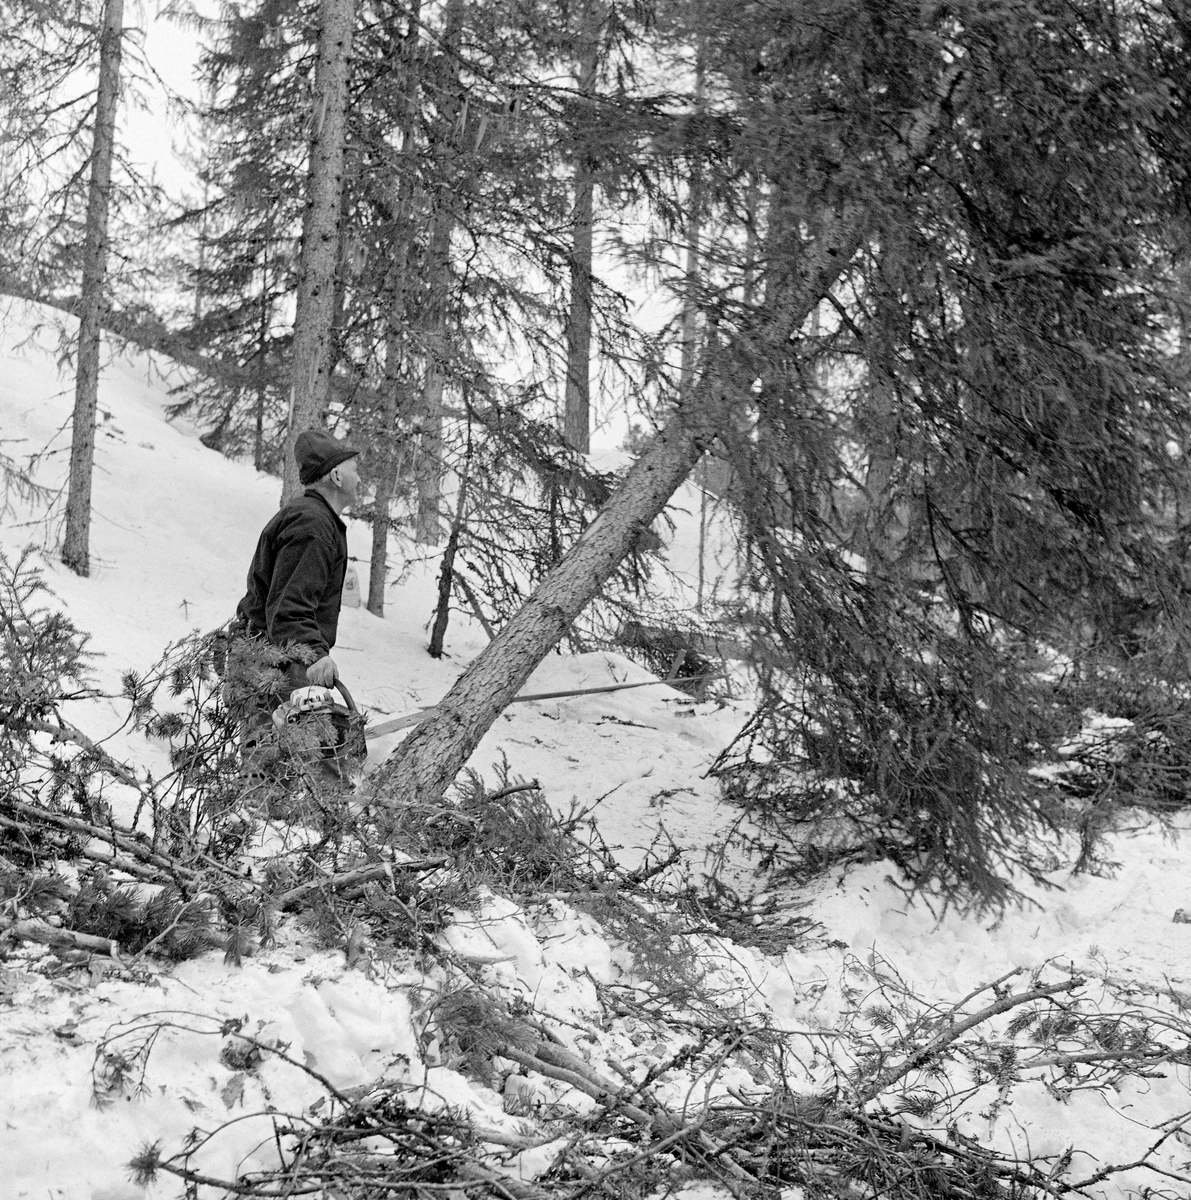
[{"x": 174, "y": 528}]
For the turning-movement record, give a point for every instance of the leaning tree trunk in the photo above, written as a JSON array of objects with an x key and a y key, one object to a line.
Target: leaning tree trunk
[
  {"x": 76, "y": 542},
  {"x": 429, "y": 759},
  {"x": 310, "y": 367},
  {"x": 576, "y": 421},
  {"x": 433, "y": 754}
]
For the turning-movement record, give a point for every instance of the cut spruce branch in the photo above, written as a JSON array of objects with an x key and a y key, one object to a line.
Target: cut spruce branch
[
  {"x": 824, "y": 1142},
  {"x": 63, "y": 731},
  {"x": 956, "y": 1029},
  {"x": 354, "y": 878},
  {"x": 61, "y": 842},
  {"x": 122, "y": 840},
  {"x": 127, "y": 843},
  {"x": 558, "y": 1063}
]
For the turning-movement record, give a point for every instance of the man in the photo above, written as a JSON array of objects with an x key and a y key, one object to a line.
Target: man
[{"x": 286, "y": 623}]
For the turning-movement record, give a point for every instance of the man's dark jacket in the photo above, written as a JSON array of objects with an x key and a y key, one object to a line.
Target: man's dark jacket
[{"x": 295, "y": 583}]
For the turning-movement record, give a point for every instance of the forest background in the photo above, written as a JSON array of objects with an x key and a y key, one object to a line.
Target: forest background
[
  {"x": 923, "y": 336},
  {"x": 902, "y": 286}
]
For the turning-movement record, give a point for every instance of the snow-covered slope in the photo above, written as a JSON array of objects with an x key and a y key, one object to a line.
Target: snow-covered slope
[{"x": 173, "y": 530}]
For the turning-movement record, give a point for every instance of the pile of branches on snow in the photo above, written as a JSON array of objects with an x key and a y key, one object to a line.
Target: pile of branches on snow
[
  {"x": 102, "y": 856},
  {"x": 875, "y": 1108},
  {"x": 99, "y": 856}
]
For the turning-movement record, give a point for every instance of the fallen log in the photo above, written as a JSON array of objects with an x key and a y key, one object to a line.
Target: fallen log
[{"x": 32, "y": 930}]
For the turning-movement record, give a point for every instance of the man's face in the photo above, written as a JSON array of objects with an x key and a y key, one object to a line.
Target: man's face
[{"x": 349, "y": 479}]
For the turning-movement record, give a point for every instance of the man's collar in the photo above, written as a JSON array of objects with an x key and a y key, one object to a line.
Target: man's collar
[{"x": 313, "y": 491}]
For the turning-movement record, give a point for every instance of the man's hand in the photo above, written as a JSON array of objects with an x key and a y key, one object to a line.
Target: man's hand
[{"x": 323, "y": 672}]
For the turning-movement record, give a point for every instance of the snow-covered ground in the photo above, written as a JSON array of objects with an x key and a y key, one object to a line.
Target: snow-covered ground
[{"x": 174, "y": 527}]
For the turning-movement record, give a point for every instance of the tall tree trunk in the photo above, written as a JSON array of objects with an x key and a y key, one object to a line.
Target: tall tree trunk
[
  {"x": 428, "y": 466},
  {"x": 202, "y": 257},
  {"x": 446, "y": 576},
  {"x": 388, "y": 455},
  {"x": 694, "y": 230},
  {"x": 880, "y": 527},
  {"x": 389, "y": 451},
  {"x": 576, "y": 423},
  {"x": 449, "y": 153},
  {"x": 310, "y": 368},
  {"x": 690, "y": 312},
  {"x": 752, "y": 204},
  {"x": 258, "y": 436},
  {"x": 76, "y": 542}
]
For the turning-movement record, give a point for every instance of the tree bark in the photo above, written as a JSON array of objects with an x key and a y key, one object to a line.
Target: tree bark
[
  {"x": 446, "y": 577},
  {"x": 880, "y": 527},
  {"x": 76, "y": 542},
  {"x": 690, "y": 287},
  {"x": 428, "y": 465},
  {"x": 388, "y": 458},
  {"x": 690, "y": 310},
  {"x": 576, "y": 424},
  {"x": 310, "y": 367},
  {"x": 258, "y": 434}
]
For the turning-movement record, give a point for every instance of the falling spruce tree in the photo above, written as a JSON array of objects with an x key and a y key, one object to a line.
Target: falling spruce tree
[{"x": 966, "y": 222}]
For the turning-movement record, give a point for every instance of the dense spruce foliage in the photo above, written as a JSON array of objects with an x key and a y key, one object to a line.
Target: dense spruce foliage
[{"x": 969, "y": 454}]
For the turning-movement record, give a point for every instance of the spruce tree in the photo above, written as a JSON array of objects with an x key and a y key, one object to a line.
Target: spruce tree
[
  {"x": 312, "y": 356},
  {"x": 76, "y": 540},
  {"x": 911, "y": 211}
]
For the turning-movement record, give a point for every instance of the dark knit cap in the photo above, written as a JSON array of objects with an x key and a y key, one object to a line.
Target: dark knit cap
[{"x": 318, "y": 452}]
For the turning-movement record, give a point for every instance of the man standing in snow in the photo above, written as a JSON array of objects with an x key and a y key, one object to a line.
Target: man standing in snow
[{"x": 286, "y": 623}]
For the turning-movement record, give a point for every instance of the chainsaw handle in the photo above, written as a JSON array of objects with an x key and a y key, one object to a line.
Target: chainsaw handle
[{"x": 347, "y": 696}]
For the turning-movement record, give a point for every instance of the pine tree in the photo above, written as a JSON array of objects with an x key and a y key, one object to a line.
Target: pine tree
[
  {"x": 577, "y": 400},
  {"x": 312, "y": 359},
  {"x": 77, "y": 537}
]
